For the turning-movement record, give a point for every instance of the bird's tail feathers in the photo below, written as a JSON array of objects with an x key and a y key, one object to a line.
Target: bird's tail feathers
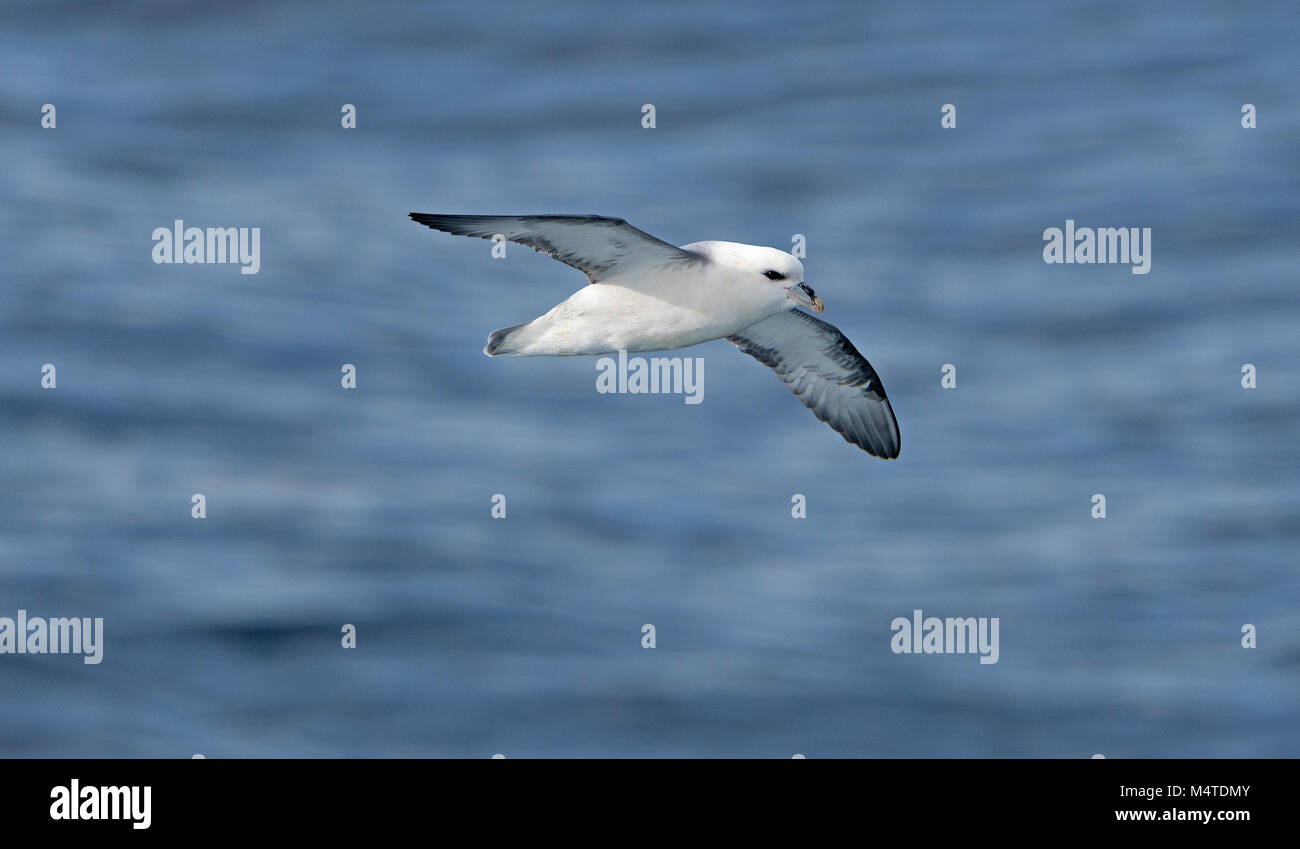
[{"x": 499, "y": 341}]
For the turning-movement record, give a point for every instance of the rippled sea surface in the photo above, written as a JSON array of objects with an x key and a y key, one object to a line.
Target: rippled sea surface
[{"x": 523, "y": 636}]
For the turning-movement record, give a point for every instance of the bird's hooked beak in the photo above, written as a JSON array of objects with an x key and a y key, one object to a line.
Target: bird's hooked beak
[{"x": 803, "y": 295}]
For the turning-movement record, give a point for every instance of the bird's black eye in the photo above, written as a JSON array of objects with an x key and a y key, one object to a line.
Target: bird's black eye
[{"x": 773, "y": 275}]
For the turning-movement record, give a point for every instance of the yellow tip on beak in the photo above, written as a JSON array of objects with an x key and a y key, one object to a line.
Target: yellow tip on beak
[{"x": 819, "y": 305}]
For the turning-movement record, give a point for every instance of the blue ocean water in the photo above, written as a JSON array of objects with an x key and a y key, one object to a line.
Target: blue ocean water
[{"x": 523, "y": 636}]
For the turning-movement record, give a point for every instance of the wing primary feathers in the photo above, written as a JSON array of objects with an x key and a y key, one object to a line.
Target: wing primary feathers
[
  {"x": 830, "y": 377},
  {"x": 599, "y": 247}
]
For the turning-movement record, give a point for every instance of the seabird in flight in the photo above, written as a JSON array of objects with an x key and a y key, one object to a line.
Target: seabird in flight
[{"x": 647, "y": 295}]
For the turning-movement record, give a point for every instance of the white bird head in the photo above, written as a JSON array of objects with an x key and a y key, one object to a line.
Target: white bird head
[{"x": 779, "y": 267}]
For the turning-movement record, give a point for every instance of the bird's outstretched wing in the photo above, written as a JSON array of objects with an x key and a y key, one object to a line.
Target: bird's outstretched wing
[
  {"x": 821, "y": 367},
  {"x": 597, "y": 246}
]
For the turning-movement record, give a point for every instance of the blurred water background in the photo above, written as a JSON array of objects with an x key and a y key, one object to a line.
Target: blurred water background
[{"x": 523, "y": 636}]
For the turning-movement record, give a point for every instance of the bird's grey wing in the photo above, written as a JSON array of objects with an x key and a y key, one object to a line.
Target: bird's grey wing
[
  {"x": 597, "y": 246},
  {"x": 821, "y": 367}
]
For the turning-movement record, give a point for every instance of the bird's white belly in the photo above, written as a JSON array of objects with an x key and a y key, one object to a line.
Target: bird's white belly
[{"x": 607, "y": 317}]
